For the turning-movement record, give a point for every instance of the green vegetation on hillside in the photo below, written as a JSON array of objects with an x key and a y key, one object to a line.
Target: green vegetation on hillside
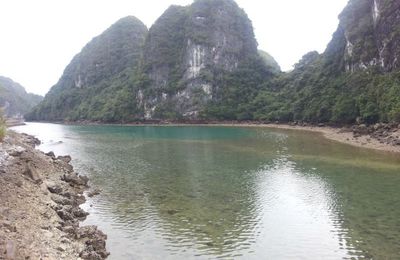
[
  {"x": 201, "y": 62},
  {"x": 234, "y": 97},
  {"x": 309, "y": 95},
  {"x": 189, "y": 55},
  {"x": 98, "y": 84}
]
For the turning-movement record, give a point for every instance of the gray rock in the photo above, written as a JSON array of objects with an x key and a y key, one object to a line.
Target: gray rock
[
  {"x": 66, "y": 166},
  {"x": 51, "y": 154},
  {"x": 31, "y": 140},
  {"x": 74, "y": 179},
  {"x": 32, "y": 173},
  {"x": 16, "y": 151},
  {"x": 65, "y": 213},
  {"x": 79, "y": 213},
  {"x": 69, "y": 230},
  {"x": 84, "y": 179},
  {"x": 54, "y": 187},
  {"x": 65, "y": 158},
  {"x": 93, "y": 193},
  {"x": 61, "y": 200},
  {"x": 95, "y": 242}
]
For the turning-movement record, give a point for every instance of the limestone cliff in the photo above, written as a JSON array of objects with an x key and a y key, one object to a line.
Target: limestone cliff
[
  {"x": 187, "y": 50},
  {"x": 356, "y": 79},
  {"x": 369, "y": 35}
]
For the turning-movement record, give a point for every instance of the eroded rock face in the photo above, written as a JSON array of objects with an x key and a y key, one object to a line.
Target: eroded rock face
[
  {"x": 370, "y": 36},
  {"x": 186, "y": 50}
]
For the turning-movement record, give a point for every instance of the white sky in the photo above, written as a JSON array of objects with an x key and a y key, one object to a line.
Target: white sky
[{"x": 39, "y": 38}]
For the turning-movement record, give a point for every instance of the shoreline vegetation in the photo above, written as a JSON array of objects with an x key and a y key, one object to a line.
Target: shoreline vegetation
[
  {"x": 380, "y": 136},
  {"x": 39, "y": 212}
]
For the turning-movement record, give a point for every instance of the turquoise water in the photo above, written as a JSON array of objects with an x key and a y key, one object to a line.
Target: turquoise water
[{"x": 233, "y": 193}]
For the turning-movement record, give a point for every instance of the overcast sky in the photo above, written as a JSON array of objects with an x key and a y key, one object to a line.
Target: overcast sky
[{"x": 39, "y": 38}]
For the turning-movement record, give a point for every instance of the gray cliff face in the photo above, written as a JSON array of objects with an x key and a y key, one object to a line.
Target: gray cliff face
[
  {"x": 369, "y": 32},
  {"x": 187, "y": 49}
]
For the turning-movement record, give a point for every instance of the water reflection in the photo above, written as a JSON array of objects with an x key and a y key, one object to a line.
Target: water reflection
[{"x": 181, "y": 193}]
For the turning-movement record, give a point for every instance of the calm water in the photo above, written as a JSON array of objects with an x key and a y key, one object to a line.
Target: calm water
[{"x": 233, "y": 193}]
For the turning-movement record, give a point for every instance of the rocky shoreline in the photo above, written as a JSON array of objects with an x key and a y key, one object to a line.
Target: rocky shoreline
[
  {"x": 382, "y": 137},
  {"x": 40, "y": 196}
]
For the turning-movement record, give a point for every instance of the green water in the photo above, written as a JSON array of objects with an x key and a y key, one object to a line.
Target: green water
[{"x": 233, "y": 193}]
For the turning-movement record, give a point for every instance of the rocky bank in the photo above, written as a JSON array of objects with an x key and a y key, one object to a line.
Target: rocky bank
[
  {"x": 383, "y": 137},
  {"x": 40, "y": 196}
]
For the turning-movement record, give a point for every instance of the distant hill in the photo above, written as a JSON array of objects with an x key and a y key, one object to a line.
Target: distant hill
[
  {"x": 14, "y": 100},
  {"x": 98, "y": 83}
]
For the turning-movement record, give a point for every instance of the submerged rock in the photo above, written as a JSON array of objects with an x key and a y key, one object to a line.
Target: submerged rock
[{"x": 93, "y": 193}]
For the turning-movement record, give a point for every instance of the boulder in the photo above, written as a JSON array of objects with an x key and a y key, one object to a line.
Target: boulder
[
  {"x": 54, "y": 187},
  {"x": 69, "y": 230},
  {"x": 65, "y": 213},
  {"x": 32, "y": 173},
  {"x": 61, "y": 200},
  {"x": 79, "y": 213},
  {"x": 74, "y": 179},
  {"x": 65, "y": 158},
  {"x": 51, "y": 154},
  {"x": 16, "y": 151},
  {"x": 95, "y": 242},
  {"x": 66, "y": 166},
  {"x": 31, "y": 140}
]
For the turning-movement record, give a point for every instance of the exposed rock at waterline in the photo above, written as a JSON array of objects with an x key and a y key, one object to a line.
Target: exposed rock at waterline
[{"x": 40, "y": 221}]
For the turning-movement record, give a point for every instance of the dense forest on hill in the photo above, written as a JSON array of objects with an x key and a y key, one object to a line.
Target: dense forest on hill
[{"x": 201, "y": 62}]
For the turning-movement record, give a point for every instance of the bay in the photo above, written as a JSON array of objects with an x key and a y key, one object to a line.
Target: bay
[{"x": 183, "y": 192}]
